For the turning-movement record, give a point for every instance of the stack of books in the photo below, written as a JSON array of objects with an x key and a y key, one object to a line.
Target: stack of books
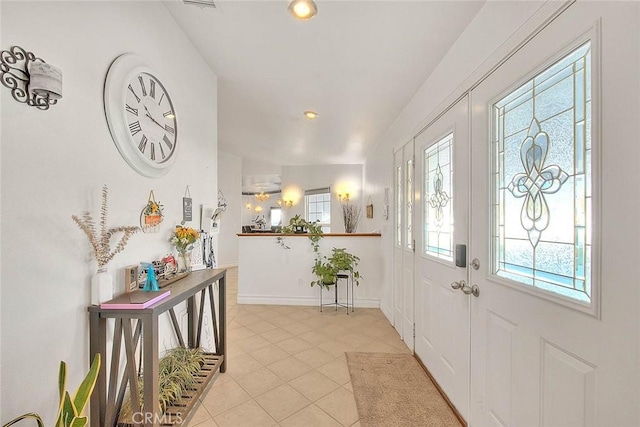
[{"x": 136, "y": 300}]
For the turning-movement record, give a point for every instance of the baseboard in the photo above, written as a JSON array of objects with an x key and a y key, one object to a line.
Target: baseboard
[
  {"x": 311, "y": 301},
  {"x": 387, "y": 312},
  {"x": 227, "y": 265},
  {"x": 442, "y": 393}
]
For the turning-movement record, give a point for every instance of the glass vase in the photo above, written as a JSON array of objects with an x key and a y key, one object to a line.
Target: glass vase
[
  {"x": 101, "y": 286},
  {"x": 184, "y": 261}
]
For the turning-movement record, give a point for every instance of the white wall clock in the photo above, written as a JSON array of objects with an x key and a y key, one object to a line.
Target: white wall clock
[{"x": 141, "y": 116}]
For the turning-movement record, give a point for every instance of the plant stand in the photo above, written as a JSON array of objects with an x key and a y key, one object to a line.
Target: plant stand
[
  {"x": 335, "y": 302},
  {"x": 180, "y": 410}
]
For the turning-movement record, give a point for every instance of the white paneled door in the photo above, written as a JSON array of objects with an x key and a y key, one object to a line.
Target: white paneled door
[
  {"x": 554, "y": 338},
  {"x": 403, "y": 260},
  {"x": 442, "y": 210}
]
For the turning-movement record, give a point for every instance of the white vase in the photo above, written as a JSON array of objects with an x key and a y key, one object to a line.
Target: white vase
[{"x": 101, "y": 287}]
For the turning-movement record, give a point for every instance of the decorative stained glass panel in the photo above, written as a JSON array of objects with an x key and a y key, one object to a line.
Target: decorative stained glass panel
[
  {"x": 438, "y": 199},
  {"x": 399, "y": 206},
  {"x": 542, "y": 180},
  {"x": 409, "y": 201}
]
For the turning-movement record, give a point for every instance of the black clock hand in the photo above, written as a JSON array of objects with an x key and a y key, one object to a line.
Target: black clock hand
[{"x": 152, "y": 119}]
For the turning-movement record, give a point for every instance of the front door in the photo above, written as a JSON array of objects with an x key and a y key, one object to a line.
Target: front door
[
  {"x": 554, "y": 225},
  {"x": 442, "y": 212}
]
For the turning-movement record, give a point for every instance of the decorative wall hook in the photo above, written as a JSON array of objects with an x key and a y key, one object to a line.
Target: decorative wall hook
[{"x": 30, "y": 79}]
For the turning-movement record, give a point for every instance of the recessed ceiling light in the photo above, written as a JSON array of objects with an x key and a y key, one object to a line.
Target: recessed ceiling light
[
  {"x": 310, "y": 114},
  {"x": 303, "y": 9}
]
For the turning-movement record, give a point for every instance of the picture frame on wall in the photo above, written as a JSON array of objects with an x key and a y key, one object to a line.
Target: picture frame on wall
[
  {"x": 369, "y": 211},
  {"x": 131, "y": 278},
  {"x": 369, "y": 208}
]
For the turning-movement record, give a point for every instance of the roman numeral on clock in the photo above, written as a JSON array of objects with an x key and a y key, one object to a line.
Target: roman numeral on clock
[
  {"x": 152, "y": 89},
  {"x": 169, "y": 129},
  {"x": 134, "y": 93},
  {"x": 162, "y": 151},
  {"x": 168, "y": 113},
  {"x": 132, "y": 110},
  {"x": 134, "y": 127},
  {"x": 144, "y": 90},
  {"x": 143, "y": 144},
  {"x": 166, "y": 141},
  {"x": 153, "y": 151}
]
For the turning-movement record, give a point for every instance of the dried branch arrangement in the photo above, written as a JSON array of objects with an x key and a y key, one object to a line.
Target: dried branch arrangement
[
  {"x": 351, "y": 216},
  {"x": 101, "y": 243}
]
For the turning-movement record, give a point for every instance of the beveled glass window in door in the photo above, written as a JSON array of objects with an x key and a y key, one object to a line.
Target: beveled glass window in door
[
  {"x": 438, "y": 199},
  {"x": 409, "y": 202},
  {"x": 541, "y": 137}
]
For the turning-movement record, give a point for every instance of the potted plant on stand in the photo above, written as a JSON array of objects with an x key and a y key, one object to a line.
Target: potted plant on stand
[{"x": 327, "y": 268}]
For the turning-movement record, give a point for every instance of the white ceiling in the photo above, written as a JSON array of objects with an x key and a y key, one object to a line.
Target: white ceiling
[{"x": 357, "y": 63}]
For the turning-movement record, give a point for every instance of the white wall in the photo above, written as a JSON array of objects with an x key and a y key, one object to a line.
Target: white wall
[
  {"x": 54, "y": 164},
  {"x": 254, "y": 167},
  {"x": 230, "y": 183},
  {"x": 297, "y": 179},
  {"x": 471, "y": 56}
]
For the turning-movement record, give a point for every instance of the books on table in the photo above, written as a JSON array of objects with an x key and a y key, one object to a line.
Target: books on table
[{"x": 136, "y": 300}]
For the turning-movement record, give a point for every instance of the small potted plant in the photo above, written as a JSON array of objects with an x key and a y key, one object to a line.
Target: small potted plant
[
  {"x": 327, "y": 268},
  {"x": 298, "y": 225},
  {"x": 325, "y": 273}
]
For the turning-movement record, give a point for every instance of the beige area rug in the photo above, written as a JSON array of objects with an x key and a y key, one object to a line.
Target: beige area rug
[{"x": 393, "y": 390}]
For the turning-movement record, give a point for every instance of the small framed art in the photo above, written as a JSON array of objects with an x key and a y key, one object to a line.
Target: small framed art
[{"x": 130, "y": 278}]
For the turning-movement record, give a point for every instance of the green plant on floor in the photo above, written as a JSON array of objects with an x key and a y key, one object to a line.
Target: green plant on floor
[
  {"x": 177, "y": 370},
  {"x": 298, "y": 225},
  {"x": 326, "y": 268},
  {"x": 70, "y": 408}
]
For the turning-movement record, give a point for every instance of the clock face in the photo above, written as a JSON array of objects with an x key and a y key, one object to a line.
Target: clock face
[
  {"x": 141, "y": 116},
  {"x": 151, "y": 119}
]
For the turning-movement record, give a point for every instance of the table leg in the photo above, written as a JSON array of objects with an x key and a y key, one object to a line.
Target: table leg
[
  {"x": 98, "y": 344},
  {"x": 151, "y": 387},
  {"x": 222, "y": 310}
]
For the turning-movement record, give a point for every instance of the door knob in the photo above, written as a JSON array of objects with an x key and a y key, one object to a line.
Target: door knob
[
  {"x": 458, "y": 285},
  {"x": 473, "y": 290}
]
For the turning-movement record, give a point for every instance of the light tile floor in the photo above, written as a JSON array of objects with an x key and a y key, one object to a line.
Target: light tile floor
[{"x": 286, "y": 364}]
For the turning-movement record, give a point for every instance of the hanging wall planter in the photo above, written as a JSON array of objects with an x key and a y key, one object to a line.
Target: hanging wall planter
[{"x": 151, "y": 216}]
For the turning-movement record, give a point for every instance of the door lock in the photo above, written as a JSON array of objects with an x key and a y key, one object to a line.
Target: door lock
[
  {"x": 475, "y": 264},
  {"x": 473, "y": 290},
  {"x": 458, "y": 285}
]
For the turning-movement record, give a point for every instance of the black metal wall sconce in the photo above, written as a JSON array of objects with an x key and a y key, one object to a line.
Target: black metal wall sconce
[{"x": 31, "y": 80}]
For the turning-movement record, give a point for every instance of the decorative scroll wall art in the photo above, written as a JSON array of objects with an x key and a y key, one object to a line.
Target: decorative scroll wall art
[{"x": 31, "y": 80}]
